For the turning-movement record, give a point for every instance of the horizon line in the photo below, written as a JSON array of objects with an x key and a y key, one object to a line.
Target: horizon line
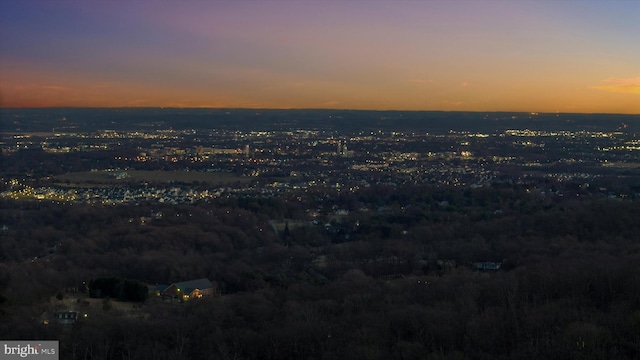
[{"x": 305, "y": 109}]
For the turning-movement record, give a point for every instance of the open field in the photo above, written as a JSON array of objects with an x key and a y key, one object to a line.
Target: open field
[
  {"x": 278, "y": 226},
  {"x": 110, "y": 178}
]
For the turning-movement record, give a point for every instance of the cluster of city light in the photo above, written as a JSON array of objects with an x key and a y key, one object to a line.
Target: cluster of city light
[
  {"x": 631, "y": 145},
  {"x": 620, "y": 148},
  {"x": 528, "y": 143},
  {"x": 19, "y": 191},
  {"x": 161, "y": 135},
  {"x": 573, "y": 134}
]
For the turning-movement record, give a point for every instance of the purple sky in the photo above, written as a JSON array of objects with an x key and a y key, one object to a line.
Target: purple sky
[{"x": 568, "y": 56}]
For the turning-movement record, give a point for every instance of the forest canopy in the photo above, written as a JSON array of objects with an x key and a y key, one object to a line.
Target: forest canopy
[{"x": 395, "y": 277}]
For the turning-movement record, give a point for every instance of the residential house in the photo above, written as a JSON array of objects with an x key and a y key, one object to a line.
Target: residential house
[
  {"x": 66, "y": 317},
  {"x": 185, "y": 290},
  {"x": 60, "y": 317},
  {"x": 487, "y": 265}
]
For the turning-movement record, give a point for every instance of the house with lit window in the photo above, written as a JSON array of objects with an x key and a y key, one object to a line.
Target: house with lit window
[{"x": 185, "y": 290}]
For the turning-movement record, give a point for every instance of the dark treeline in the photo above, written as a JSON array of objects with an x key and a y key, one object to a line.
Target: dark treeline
[
  {"x": 121, "y": 289},
  {"x": 345, "y": 121},
  {"x": 395, "y": 278}
]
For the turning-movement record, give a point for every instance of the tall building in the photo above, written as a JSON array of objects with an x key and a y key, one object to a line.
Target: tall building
[{"x": 341, "y": 148}]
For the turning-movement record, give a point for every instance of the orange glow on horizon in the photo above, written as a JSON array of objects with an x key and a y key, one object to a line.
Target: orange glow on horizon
[{"x": 480, "y": 55}]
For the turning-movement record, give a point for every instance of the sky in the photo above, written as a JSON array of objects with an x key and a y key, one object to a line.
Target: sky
[{"x": 452, "y": 55}]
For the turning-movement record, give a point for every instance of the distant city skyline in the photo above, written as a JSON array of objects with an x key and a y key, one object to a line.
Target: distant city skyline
[{"x": 485, "y": 55}]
